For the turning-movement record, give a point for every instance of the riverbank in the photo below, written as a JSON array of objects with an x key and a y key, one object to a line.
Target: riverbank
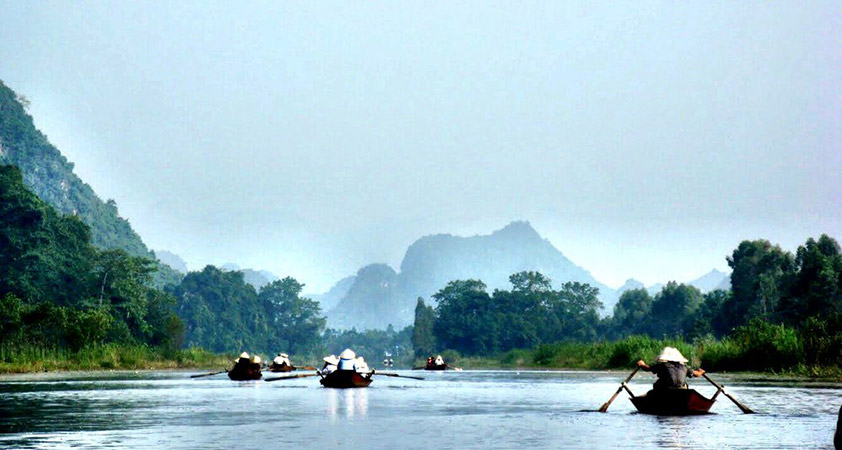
[
  {"x": 107, "y": 357},
  {"x": 724, "y": 356}
]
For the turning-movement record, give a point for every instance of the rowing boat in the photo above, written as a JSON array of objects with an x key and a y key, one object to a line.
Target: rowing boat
[
  {"x": 280, "y": 368},
  {"x": 245, "y": 374},
  {"x": 673, "y": 402},
  {"x": 346, "y": 379}
]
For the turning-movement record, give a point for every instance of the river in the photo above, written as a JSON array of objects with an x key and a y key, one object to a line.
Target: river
[{"x": 462, "y": 410}]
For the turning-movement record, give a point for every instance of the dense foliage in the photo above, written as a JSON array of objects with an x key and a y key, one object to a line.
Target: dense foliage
[
  {"x": 469, "y": 320},
  {"x": 58, "y": 290},
  {"x": 223, "y": 313},
  {"x": 48, "y": 173},
  {"x": 784, "y": 311}
]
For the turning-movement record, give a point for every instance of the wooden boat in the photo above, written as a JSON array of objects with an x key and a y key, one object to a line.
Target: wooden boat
[
  {"x": 240, "y": 373},
  {"x": 673, "y": 402},
  {"x": 346, "y": 379}
]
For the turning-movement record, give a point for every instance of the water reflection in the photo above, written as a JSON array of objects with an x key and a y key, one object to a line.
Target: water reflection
[
  {"x": 471, "y": 409},
  {"x": 347, "y": 402}
]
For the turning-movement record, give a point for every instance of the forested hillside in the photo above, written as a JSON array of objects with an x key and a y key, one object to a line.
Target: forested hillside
[
  {"x": 48, "y": 173},
  {"x": 59, "y": 290}
]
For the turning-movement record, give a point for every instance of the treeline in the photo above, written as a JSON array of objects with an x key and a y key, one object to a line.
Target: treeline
[
  {"x": 58, "y": 290},
  {"x": 223, "y": 313},
  {"x": 783, "y": 310}
]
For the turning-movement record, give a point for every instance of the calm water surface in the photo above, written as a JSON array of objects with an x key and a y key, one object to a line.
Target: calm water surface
[{"x": 470, "y": 409}]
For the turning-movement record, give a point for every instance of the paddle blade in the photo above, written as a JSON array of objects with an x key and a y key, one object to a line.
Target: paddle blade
[
  {"x": 207, "y": 374},
  {"x": 289, "y": 377}
]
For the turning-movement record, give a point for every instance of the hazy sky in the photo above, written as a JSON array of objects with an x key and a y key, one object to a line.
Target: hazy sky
[{"x": 643, "y": 140}]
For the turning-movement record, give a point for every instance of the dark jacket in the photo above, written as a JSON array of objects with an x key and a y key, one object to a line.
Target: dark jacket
[{"x": 671, "y": 374}]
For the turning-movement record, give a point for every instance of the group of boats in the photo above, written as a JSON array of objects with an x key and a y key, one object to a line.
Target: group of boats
[{"x": 349, "y": 371}]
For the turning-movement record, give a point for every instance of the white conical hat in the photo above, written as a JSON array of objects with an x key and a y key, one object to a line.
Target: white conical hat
[
  {"x": 671, "y": 354},
  {"x": 284, "y": 355},
  {"x": 244, "y": 355},
  {"x": 347, "y": 354},
  {"x": 332, "y": 359},
  {"x": 256, "y": 359}
]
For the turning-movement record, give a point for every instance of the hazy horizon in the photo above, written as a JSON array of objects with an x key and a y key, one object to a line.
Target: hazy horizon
[{"x": 643, "y": 141}]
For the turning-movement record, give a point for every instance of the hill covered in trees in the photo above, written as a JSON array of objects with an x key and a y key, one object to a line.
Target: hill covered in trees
[{"x": 50, "y": 176}]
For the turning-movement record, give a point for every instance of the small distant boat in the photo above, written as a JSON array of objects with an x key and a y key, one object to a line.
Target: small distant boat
[
  {"x": 673, "y": 402},
  {"x": 346, "y": 379}
]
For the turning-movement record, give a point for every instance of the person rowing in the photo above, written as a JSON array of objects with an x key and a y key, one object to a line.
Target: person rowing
[
  {"x": 281, "y": 363},
  {"x": 330, "y": 365},
  {"x": 670, "y": 370},
  {"x": 246, "y": 368}
]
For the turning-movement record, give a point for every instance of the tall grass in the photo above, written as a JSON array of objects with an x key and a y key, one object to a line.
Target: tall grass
[{"x": 28, "y": 358}]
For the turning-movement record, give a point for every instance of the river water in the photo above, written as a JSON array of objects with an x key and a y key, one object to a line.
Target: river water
[{"x": 462, "y": 410}]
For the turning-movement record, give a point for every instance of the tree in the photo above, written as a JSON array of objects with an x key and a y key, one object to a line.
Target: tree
[
  {"x": 295, "y": 323},
  {"x": 816, "y": 288},
  {"x": 759, "y": 277},
  {"x": 464, "y": 312},
  {"x": 631, "y": 313},
  {"x": 673, "y": 310},
  {"x": 423, "y": 339}
]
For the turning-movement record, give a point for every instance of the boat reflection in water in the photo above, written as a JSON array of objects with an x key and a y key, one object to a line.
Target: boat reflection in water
[{"x": 347, "y": 402}]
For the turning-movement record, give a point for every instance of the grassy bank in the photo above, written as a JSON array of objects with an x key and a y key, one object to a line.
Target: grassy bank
[
  {"x": 781, "y": 355},
  {"x": 106, "y": 357}
]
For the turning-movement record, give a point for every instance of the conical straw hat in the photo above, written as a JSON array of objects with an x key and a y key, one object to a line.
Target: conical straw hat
[{"x": 671, "y": 354}]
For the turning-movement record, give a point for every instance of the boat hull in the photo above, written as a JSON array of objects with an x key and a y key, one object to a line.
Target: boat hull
[
  {"x": 276, "y": 368},
  {"x": 343, "y": 379},
  {"x": 246, "y": 375},
  {"x": 672, "y": 402}
]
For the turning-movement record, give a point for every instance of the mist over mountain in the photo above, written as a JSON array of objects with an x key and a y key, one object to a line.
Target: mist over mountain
[
  {"x": 256, "y": 278},
  {"x": 712, "y": 281},
  {"x": 331, "y": 298},
  {"x": 382, "y": 296},
  {"x": 50, "y": 176},
  {"x": 172, "y": 260}
]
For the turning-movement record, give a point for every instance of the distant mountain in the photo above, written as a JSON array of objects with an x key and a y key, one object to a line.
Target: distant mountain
[
  {"x": 331, "y": 298},
  {"x": 711, "y": 281},
  {"x": 655, "y": 288},
  {"x": 630, "y": 284},
  {"x": 373, "y": 301},
  {"x": 725, "y": 285},
  {"x": 433, "y": 261},
  {"x": 172, "y": 260},
  {"x": 256, "y": 278},
  {"x": 48, "y": 173}
]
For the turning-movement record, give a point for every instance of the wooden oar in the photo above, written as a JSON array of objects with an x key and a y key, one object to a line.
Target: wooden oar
[
  {"x": 419, "y": 368},
  {"x": 745, "y": 409},
  {"x": 289, "y": 377},
  {"x": 303, "y": 368},
  {"x": 604, "y": 407},
  {"x": 388, "y": 374},
  {"x": 208, "y": 374}
]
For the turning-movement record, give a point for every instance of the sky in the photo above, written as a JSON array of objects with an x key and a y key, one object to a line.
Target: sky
[{"x": 644, "y": 139}]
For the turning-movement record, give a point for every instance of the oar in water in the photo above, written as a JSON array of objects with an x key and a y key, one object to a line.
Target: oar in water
[
  {"x": 208, "y": 374},
  {"x": 745, "y": 409},
  {"x": 303, "y": 368},
  {"x": 604, "y": 407},
  {"x": 419, "y": 368},
  {"x": 289, "y": 377},
  {"x": 388, "y": 374}
]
